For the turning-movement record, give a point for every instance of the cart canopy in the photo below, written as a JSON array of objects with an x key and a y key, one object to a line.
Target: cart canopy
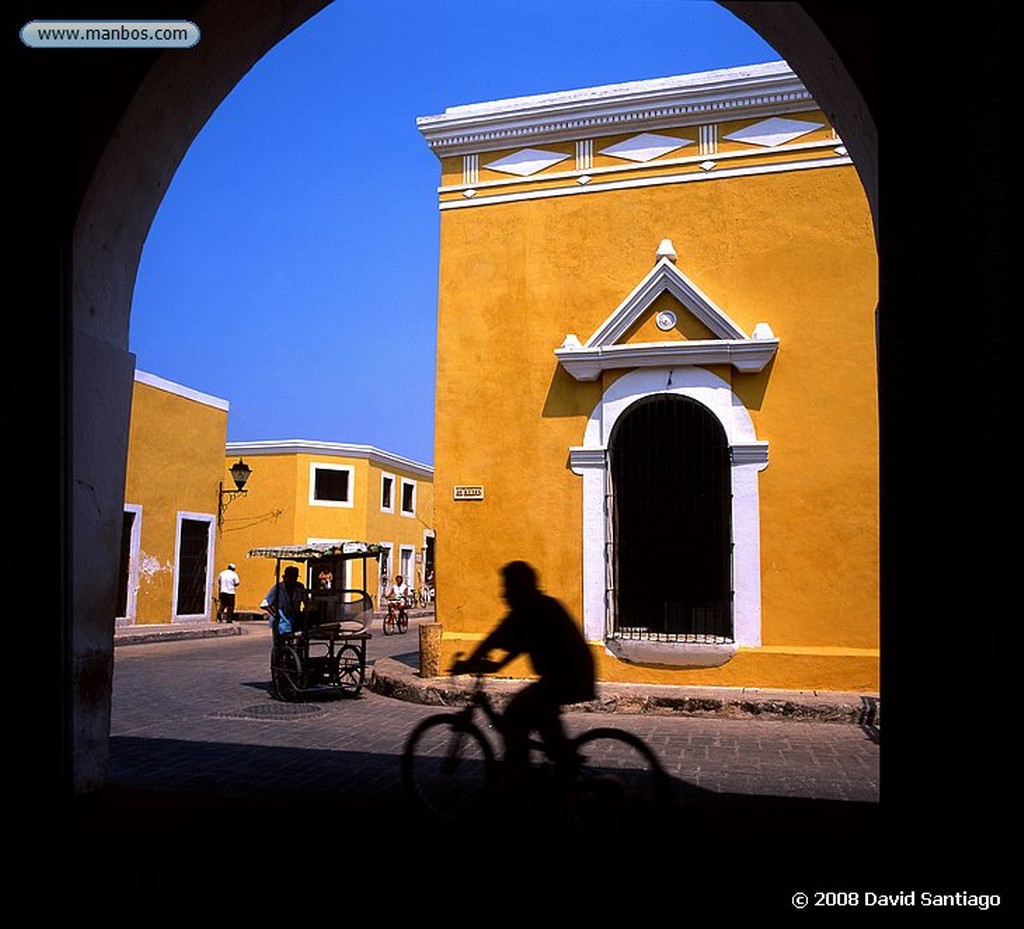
[{"x": 314, "y": 551}]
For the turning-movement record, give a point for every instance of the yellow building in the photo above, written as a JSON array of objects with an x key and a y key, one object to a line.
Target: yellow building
[
  {"x": 306, "y": 491},
  {"x": 170, "y": 510},
  {"x": 656, "y": 377}
]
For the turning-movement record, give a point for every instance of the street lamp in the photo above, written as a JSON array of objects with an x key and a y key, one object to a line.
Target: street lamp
[{"x": 240, "y": 472}]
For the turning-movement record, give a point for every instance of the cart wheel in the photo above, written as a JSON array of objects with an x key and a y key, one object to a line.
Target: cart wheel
[
  {"x": 403, "y": 622},
  {"x": 349, "y": 669},
  {"x": 286, "y": 673},
  {"x": 389, "y": 624}
]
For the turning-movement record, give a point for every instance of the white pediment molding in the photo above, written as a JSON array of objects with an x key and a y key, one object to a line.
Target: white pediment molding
[{"x": 731, "y": 345}]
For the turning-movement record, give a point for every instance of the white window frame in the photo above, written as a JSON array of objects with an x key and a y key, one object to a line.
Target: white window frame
[
  {"x": 407, "y": 554},
  {"x": 406, "y": 482},
  {"x": 315, "y": 466},
  {"x": 382, "y": 591},
  {"x": 131, "y": 608},
  {"x": 748, "y": 456},
  {"x": 211, "y": 522},
  {"x": 386, "y": 476}
]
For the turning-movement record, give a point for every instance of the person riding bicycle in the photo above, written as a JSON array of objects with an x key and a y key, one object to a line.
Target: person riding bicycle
[
  {"x": 538, "y": 626},
  {"x": 398, "y": 595}
]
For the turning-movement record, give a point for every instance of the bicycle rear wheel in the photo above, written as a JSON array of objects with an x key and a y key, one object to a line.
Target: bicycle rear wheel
[
  {"x": 448, "y": 767},
  {"x": 619, "y": 781}
]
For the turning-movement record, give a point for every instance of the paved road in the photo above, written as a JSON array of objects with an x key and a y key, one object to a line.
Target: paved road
[{"x": 217, "y": 792}]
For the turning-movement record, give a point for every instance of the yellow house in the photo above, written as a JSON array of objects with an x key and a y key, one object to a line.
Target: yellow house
[
  {"x": 304, "y": 491},
  {"x": 170, "y": 509},
  {"x": 656, "y": 377}
]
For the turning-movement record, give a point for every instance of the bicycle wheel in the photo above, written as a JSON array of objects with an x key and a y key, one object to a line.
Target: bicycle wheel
[
  {"x": 286, "y": 673},
  {"x": 448, "y": 767},
  {"x": 619, "y": 781},
  {"x": 389, "y": 624},
  {"x": 403, "y": 622},
  {"x": 349, "y": 670}
]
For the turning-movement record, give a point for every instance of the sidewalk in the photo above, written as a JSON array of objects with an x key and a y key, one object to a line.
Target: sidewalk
[{"x": 395, "y": 679}]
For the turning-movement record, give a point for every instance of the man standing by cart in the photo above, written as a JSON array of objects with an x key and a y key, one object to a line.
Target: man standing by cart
[
  {"x": 284, "y": 602},
  {"x": 228, "y": 582}
]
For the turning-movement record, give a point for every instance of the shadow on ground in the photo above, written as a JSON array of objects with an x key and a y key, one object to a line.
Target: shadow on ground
[{"x": 279, "y": 842}]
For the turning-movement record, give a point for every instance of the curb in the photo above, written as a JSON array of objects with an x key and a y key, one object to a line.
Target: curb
[{"x": 390, "y": 678}]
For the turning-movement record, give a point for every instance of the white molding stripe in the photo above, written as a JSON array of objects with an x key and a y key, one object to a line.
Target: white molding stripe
[
  {"x": 679, "y": 161},
  {"x": 339, "y": 449},
  {"x": 594, "y": 186},
  {"x": 151, "y": 380},
  {"x": 748, "y": 90}
]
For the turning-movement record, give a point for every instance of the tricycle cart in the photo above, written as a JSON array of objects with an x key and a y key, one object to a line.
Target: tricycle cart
[{"x": 326, "y": 650}]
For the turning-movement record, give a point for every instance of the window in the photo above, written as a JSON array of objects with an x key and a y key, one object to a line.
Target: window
[
  {"x": 331, "y": 485},
  {"x": 408, "y": 498},
  {"x": 387, "y": 493},
  {"x": 193, "y": 591},
  {"x": 406, "y": 564},
  {"x": 128, "y": 572}
]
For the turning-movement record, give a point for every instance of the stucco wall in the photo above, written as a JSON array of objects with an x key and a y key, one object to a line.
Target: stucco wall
[{"x": 795, "y": 250}]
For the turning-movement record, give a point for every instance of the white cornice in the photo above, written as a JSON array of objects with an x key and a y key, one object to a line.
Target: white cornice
[
  {"x": 151, "y": 380},
  {"x": 336, "y": 449},
  {"x": 747, "y": 355},
  {"x": 751, "y": 90}
]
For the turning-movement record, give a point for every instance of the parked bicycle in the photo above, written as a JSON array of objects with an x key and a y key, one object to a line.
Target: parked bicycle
[{"x": 450, "y": 769}]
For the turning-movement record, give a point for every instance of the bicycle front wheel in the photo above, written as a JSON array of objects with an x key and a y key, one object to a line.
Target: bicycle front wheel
[
  {"x": 448, "y": 767},
  {"x": 619, "y": 780}
]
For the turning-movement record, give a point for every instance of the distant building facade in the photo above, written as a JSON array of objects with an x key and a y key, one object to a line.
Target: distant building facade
[
  {"x": 175, "y": 458},
  {"x": 304, "y": 491},
  {"x": 656, "y": 377}
]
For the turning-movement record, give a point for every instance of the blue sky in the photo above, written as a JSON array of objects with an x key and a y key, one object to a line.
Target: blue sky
[{"x": 292, "y": 266}]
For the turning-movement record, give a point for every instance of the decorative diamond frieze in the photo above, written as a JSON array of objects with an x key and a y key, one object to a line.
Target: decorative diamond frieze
[
  {"x": 773, "y": 132},
  {"x": 527, "y": 161},
  {"x": 645, "y": 147}
]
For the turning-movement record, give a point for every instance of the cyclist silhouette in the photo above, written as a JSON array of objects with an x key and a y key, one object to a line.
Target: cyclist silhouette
[{"x": 538, "y": 626}]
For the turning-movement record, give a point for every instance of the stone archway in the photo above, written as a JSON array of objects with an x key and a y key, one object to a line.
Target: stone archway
[{"x": 141, "y": 114}]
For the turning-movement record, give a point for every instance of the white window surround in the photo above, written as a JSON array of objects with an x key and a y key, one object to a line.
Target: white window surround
[
  {"x": 209, "y": 519},
  {"x": 133, "y": 566},
  {"x": 405, "y": 482},
  {"x": 748, "y": 456},
  {"x": 384, "y": 477},
  {"x": 315, "y": 466}
]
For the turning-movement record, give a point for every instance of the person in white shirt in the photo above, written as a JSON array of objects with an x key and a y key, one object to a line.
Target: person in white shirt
[
  {"x": 399, "y": 593},
  {"x": 228, "y": 582}
]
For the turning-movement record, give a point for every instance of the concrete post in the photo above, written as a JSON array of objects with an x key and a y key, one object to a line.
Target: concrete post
[{"x": 430, "y": 649}]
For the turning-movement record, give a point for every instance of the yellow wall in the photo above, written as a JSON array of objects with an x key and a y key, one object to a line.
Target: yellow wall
[
  {"x": 175, "y": 453},
  {"x": 793, "y": 249},
  {"x": 276, "y": 511}
]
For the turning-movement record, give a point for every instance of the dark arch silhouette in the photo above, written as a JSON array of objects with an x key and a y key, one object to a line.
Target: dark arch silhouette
[{"x": 102, "y": 133}]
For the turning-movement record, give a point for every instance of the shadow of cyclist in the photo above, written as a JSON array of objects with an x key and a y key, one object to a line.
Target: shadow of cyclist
[{"x": 539, "y": 627}]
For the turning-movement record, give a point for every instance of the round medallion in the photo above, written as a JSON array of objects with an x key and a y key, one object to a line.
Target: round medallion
[{"x": 665, "y": 320}]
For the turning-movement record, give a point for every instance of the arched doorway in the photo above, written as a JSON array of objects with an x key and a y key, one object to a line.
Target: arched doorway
[{"x": 671, "y": 534}]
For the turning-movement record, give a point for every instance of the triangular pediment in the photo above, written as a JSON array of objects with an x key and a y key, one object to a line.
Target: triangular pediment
[{"x": 612, "y": 346}]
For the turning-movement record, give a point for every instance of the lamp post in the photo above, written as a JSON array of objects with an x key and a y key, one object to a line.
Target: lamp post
[{"x": 240, "y": 472}]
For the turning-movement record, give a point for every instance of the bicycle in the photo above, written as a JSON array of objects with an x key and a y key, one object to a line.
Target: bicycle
[
  {"x": 607, "y": 776},
  {"x": 396, "y": 619}
]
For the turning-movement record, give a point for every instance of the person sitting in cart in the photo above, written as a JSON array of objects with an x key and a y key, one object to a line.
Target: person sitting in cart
[{"x": 284, "y": 602}]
